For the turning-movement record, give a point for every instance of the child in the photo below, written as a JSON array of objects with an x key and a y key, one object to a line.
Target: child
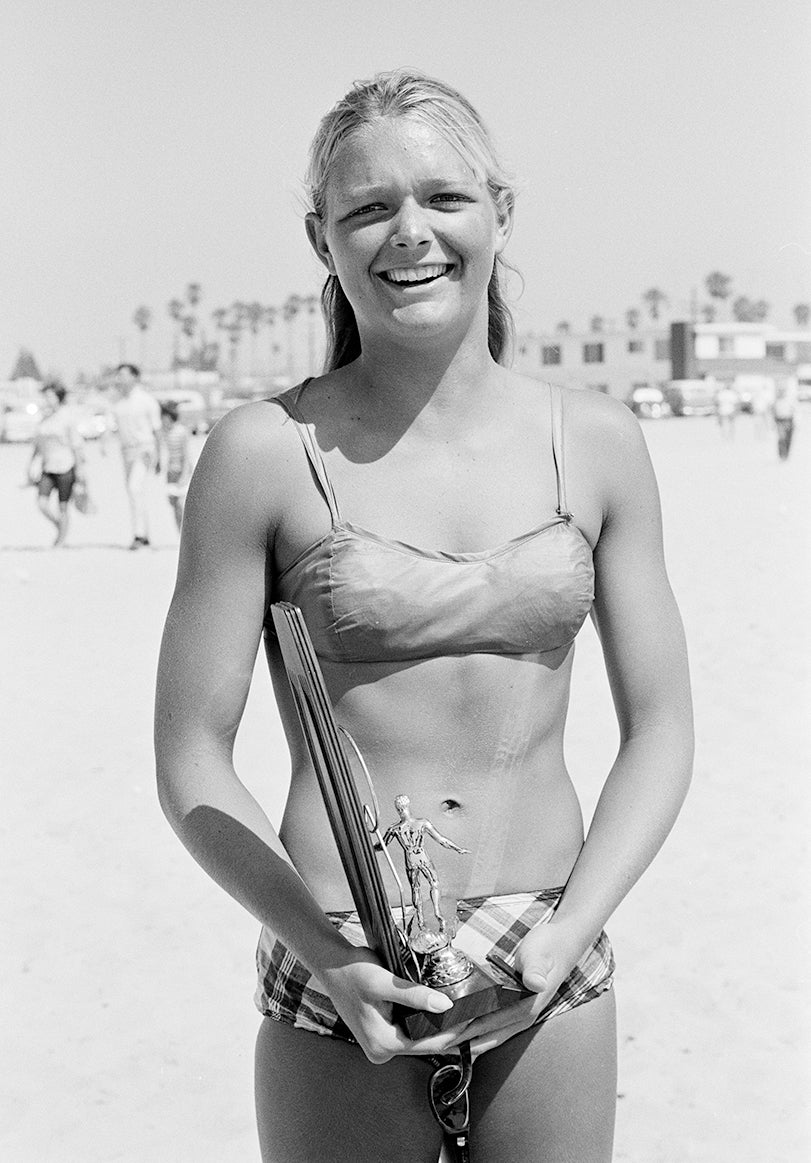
[{"x": 176, "y": 458}]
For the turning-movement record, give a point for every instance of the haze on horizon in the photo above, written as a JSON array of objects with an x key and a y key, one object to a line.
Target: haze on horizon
[{"x": 144, "y": 147}]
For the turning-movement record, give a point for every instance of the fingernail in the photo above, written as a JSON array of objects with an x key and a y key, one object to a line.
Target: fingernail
[{"x": 440, "y": 1004}]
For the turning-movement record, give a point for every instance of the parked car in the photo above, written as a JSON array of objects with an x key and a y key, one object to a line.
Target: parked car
[
  {"x": 19, "y": 422},
  {"x": 804, "y": 382},
  {"x": 691, "y": 397},
  {"x": 191, "y": 406},
  {"x": 649, "y": 404}
]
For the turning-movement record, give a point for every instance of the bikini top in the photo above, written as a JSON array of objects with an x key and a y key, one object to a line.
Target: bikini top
[{"x": 367, "y": 598}]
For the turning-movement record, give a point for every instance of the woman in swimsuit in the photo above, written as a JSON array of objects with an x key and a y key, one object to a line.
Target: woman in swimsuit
[{"x": 445, "y": 526}]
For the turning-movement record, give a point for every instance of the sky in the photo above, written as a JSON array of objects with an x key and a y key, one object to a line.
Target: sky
[{"x": 146, "y": 145}]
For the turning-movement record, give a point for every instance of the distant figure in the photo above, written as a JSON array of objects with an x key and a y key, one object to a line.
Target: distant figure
[
  {"x": 783, "y": 410},
  {"x": 138, "y": 418},
  {"x": 726, "y": 409},
  {"x": 176, "y": 464},
  {"x": 59, "y": 449},
  {"x": 761, "y": 407},
  {"x": 410, "y": 833}
]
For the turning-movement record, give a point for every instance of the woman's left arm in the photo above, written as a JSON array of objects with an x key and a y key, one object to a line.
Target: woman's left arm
[
  {"x": 643, "y": 644},
  {"x": 646, "y": 659}
]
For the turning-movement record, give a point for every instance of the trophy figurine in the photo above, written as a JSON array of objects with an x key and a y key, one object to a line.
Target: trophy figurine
[{"x": 442, "y": 965}]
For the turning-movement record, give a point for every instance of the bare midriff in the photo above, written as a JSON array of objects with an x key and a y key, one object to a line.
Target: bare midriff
[{"x": 475, "y": 741}]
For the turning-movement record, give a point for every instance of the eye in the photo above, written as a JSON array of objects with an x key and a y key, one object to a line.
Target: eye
[
  {"x": 450, "y": 198},
  {"x": 371, "y": 208}
]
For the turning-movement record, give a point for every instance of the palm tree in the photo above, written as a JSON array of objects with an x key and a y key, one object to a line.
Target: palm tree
[
  {"x": 188, "y": 325},
  {"x": 745, "y": 310},
  {"x": 176, "y": 314},
  {"x": 289, "y": 312},
  {"x": 193, "y": 293},
  {"x": 254, "y": 314},
  {"x": 563, "y": 328},
  {"x": 271, "y": 316},
  {"x": 142, "y": 318},
  {"x": 708, "y": 313},
  {"x": 802, "y": 314},
  {"x": 719, "y": 286},
  {"x": 596, "y": 323},
  {"x": 655, "y": 300},
  {"x": 632, "y": 318}
]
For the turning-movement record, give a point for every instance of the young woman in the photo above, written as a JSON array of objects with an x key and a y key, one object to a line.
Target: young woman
[
  {"x": 59, "y": 449},
  {"x": 446, "y": 526}
]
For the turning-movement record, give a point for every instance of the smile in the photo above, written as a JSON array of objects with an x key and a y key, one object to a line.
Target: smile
[{"x": 418, "y": 275}]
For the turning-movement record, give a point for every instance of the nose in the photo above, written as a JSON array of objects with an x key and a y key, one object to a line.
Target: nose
[{"x": 411, "y": 229}]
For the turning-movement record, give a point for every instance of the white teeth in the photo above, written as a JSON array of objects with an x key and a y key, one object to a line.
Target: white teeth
[{"x": 416, "y": 274}]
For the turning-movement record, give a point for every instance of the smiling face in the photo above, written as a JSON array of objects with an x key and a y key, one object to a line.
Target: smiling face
[{"x": 409, "y": 230}]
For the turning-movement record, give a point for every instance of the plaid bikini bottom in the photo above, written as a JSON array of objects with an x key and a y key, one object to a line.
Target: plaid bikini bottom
[{"x": 486, "y": 925}]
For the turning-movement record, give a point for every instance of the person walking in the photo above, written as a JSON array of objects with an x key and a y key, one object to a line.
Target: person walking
[
  {"x": 727, "y": 404},
  {"x": 57, "y": 458},
  {"x": 138, "y": 420},
  {"x": 446, "y": 526},
  {"x": 176, "y": 459},
  {"x": 784, "y": 410}
]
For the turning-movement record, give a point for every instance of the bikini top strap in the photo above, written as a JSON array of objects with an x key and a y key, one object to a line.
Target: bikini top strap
[
  {"x": 290, "y": 402},
  {"x": 556, "y": 407}
]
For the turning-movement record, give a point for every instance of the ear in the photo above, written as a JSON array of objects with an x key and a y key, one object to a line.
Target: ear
[
  {"x": 318, "y": 241},
  {"x": 504, "y": 227}
]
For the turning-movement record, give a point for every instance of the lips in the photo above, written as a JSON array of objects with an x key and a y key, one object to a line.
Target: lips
[{"x": 418, "y": 275}]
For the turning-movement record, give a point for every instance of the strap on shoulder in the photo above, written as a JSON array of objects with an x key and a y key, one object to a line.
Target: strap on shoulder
[
  {"x": 556, "y": 408},
  {"x": 289, "y": 400}
]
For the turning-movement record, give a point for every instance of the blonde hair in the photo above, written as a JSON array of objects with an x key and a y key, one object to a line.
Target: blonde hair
[{"x": 401, "y": 93}]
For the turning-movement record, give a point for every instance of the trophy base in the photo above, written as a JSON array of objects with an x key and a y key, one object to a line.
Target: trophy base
[{"x": 476, "y": 995}]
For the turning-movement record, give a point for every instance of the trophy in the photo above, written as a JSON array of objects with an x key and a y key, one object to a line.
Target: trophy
[{"x": 421, "y": 947}]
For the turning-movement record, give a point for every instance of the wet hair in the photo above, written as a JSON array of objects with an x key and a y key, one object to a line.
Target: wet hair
[
  {"x": 402, "y": 93},
  {"x": 58, "y": 389},
  {"x": 130, "y": 367},
  {"x": 171, "y": 410}
]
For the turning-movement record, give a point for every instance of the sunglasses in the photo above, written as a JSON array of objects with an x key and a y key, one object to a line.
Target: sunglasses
[{"x": 450, "y": 1102}]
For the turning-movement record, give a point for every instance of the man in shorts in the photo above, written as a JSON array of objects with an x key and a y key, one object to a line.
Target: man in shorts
[{"x": 138, "y": 419}]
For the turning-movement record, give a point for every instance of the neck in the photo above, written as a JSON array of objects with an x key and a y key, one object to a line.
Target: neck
[{"x": 398, "y": 383}]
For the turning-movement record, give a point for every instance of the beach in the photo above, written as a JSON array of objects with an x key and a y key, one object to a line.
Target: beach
[{"x": 128, "y": 976}]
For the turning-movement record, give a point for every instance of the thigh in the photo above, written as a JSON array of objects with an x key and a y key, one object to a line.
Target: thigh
[
  {"x": 64, "y": 484},
  {"x": 549, "y": 1094},
  {"x": 46, "y": 485},
  {"x": 320, "y": 1098},
  {"x": 136, "y": 472}
]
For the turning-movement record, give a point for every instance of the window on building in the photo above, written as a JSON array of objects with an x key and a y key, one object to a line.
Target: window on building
[
  {"x": 551, "y": 355},
  {"x": 636, "y": 346},
  {"x": 640, "y": 384},
  {"x": 592, "y": 353},
  {"x": 661, "y": 349},
  {"x": 775, "y": 351},
  {"x": 726, "y": 345}
]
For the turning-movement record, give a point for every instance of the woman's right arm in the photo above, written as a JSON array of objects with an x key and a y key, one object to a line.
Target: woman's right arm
[{"x": 210, "y": 642}]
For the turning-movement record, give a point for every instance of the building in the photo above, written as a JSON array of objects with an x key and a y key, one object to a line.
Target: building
[{"x": 617, "y": 360}]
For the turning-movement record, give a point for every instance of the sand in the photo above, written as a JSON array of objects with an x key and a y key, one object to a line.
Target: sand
[{"x": 127, "y": 1013}]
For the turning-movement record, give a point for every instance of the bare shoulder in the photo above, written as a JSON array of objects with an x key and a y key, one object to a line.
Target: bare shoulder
[
  {"x": 253, "y": 440},
  {"x": 604, "y": 434}
]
